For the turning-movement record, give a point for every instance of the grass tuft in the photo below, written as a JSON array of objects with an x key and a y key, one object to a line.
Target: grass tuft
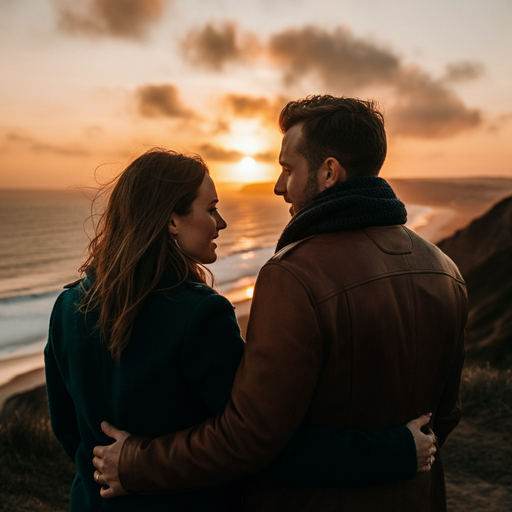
[
  {"x": 486, "y": 394},
  {"x": 35, "y": 474}
]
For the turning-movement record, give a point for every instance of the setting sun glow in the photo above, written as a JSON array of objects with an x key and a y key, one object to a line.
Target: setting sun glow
[
  {"x": 248, "y": 164},
  {"x": 248, "y": 171}
]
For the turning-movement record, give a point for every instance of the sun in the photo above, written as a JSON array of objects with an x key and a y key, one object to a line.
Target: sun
[
  {"x": 248, "y": 170},
  {"x": 248, "y": 164}
]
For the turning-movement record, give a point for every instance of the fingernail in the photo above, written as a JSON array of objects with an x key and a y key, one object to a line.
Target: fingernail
[
  {"x": 105, "y": 424},
  {"x": 428, "y": 415}
]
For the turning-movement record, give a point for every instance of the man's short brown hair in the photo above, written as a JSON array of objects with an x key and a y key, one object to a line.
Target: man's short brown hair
[{"x": 348, "y": 129}]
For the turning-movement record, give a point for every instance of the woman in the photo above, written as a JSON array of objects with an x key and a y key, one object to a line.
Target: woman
[{"x": 144, "y": 343}]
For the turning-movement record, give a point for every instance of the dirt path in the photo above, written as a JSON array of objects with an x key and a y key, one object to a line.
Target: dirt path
[{"x": 478, "y": 465}]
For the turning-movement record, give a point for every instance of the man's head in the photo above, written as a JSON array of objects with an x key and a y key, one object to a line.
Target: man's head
[{"x": 327, "y": 140}]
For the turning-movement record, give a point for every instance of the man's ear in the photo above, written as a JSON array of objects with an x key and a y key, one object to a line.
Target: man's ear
[
  {"x": 332, "y": 172},
  {"x": 173, "y": 224}
]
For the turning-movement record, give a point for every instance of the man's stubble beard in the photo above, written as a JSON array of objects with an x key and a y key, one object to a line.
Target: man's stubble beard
[{"x": 311, "y": 189}]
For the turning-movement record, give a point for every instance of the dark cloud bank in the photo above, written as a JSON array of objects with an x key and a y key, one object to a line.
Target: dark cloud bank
[{"x": 422, "y": 105}]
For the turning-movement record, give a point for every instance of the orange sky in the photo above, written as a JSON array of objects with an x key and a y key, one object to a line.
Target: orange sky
[{"x": 88, "y": 84}]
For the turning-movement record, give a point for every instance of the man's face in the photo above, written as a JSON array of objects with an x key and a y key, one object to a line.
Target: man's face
[{"x": 295, "y": 183}]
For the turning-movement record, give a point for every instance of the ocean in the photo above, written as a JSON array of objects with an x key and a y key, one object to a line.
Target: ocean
[{"x": 43, "y": 240}]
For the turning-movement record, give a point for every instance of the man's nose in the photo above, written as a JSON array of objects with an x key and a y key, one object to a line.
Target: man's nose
[{"x": 280, "y": 186}]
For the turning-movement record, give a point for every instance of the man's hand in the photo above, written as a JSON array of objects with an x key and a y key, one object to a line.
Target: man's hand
[
  {"x": 106, "y": 459},
  {"x": 425, "y": 447}
]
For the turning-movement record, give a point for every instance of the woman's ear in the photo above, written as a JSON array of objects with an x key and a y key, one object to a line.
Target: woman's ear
[{"x": 173, "y": 224}]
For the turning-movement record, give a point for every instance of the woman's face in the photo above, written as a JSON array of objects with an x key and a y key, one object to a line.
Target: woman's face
[{"x": 196, "y": 231}]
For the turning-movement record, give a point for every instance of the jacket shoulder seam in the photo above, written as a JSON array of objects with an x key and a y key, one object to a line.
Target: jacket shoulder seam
[
  {"x": 279, "y": 255},
  {"x": 362, "y": 282}
]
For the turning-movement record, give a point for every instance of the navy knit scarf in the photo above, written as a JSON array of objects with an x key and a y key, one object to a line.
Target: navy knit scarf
[{"x": 353, "y": 204}]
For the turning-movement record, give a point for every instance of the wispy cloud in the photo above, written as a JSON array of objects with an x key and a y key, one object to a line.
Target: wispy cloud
[
  {"x": 246, "y": 106},
  {"x": 117, "y": 18},
  {"x": 214, "y": 46},
  {"x": 32, "y": 144},
  {"x": 500, "y": 121},
  {"x": 267, "y": 156},
  {"x": 463, "y": 71},
  {"x": 161, "y": 101},
  {"x": 219, "y": 154}
]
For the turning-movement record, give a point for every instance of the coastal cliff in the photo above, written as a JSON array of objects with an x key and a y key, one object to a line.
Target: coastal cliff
[{"x": 483, "y": 253}]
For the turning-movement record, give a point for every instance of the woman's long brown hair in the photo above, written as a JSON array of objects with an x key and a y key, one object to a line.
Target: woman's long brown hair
[{"x": 132, "y": 249}]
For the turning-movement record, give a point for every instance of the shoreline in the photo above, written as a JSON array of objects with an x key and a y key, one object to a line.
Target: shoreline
[{"x": 20, "y": 374}]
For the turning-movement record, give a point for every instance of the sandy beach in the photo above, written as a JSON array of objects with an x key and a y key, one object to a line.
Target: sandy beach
[{"x": 20, "y": 374}]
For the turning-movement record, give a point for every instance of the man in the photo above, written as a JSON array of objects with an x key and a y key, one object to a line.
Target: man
[{"x": 356, "y": 322}]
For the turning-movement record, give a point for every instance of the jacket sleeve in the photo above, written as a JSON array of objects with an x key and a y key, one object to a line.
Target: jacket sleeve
[
  {"x": 270, "y": 397},
  {"x": 62, "y": 408}
]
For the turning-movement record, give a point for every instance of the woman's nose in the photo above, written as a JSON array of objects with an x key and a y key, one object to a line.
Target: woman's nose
[{"x": 221, "y": 223}]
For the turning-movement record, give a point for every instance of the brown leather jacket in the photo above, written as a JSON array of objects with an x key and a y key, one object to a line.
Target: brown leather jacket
[{"x": 359, "y": 328}]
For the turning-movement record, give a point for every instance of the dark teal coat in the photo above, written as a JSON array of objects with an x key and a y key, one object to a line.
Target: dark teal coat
[{"x": 178, "y": 370}]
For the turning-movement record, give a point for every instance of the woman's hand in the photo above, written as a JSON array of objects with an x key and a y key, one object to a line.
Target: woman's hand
[
  {"x": 425, "y": 447},
  {"x": 106, "y": 460}
]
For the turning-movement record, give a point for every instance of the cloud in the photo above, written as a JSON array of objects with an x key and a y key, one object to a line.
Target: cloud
[
  {"x": 418, "y": 104},
  {"x": 426, "y": 108},
  {"x": 216, "y": 45},
  {"x": 463, "y": 71},
  {"x": 421, "y": 106},
  {"x": 161, "y": 101},
  {"x": 219, "y": 154},
  {"x": 37, "y": 146},
  {"x": 500, "y": 121},
  {"x": 254, "y": 106},
  {"x": 117, "y": 18},
  {"x": 338, "y": 57},
  {"x": 267, "y": 156},
  {"x": 216, "y": 153},
  {"x": 94, "y": 130}
]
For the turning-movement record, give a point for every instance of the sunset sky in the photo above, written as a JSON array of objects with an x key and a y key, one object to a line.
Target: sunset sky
[{"x": 88, "y": 84}]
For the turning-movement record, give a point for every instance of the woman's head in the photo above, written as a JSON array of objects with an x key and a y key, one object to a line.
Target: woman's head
[
  {"x": 134, "y": 248},
  {"x": 195, "y": 231},
  {"x": 153, "y": 187}
]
